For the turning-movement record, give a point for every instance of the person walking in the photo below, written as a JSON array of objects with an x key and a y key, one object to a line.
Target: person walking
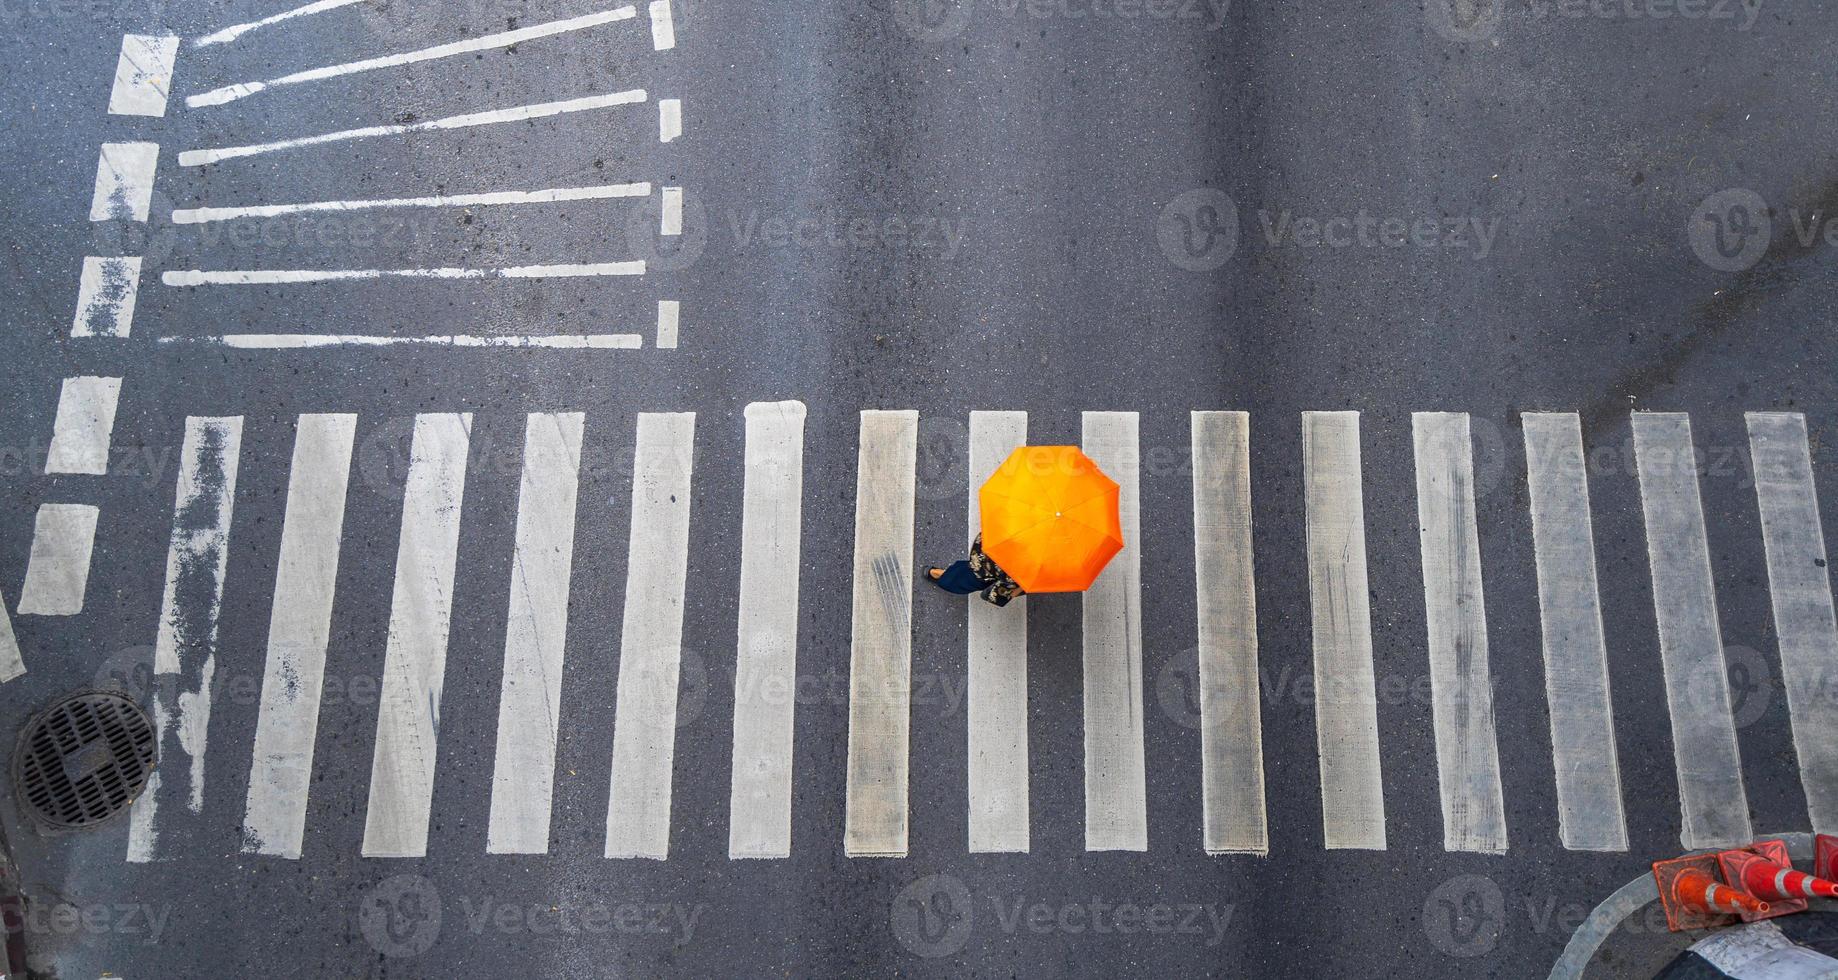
[{"x": 977, "y": 575}]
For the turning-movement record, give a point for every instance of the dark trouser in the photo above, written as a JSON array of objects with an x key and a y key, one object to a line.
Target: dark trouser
[{"x": 960, "y": 580}]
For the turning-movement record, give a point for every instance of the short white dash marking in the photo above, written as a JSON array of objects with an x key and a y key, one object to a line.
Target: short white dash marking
[
  {"x": 766, "y": 657},
  {"x": 1800, "y": 584},
  {"x": 881, "y": 637},
  {"x": 299, "y": 629},
  {"x": 651, "y": 639},
  {"x": 1116, "y": 794},
  {"x": 85, "y": 423},
  {"x": 415, "y": 661},
  {"x": 1228, "y": 686},
  {"x": 12, "y": 664},
  {"x": 535, "y": 636},
  {"x": 143, "y": 75},
  {"x": 57, "y": 575},
  {"x": 1590, "y": 814},
  {"x": 541, "y": 110},
  {"x": 663, "y": 26},
  {"x": 668, "y": 312},
  {"x": 185, "y": 650},
  {"x": 235, "y": 31},
  {"x": 997, "y": 669},
  {"x": 484, "y": 42},
  {"x": 192, "y": 216},
  {"x": 105, "y": 297},
  {"x": 294, "y": 341},
  {"x": 124, "y": 182},
  {"x": 271, "y": 277},
  {"x": 1713, "y": 803},
  {"x": 672, "y": 223},
  {"x": 1455, "y": 610},
  {"x": 1346, "y": 695},
  {"x": 669, "y": 120}
]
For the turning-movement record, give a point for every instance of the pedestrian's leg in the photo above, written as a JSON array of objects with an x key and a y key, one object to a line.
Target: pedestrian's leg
[{"x": 957, "y": 579}]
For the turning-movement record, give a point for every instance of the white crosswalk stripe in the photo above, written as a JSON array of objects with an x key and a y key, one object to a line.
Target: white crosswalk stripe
[
  {"x": 1231, "y": 717},
  {"x": 1227, "y": 764},
  {"x": 651, "y": 642},
  {"x": 1714, "y": 807},
  {"x": 881, "y": 637},
  {"x": 766, "y": 649},
  {"x": 185, "y": 650},
  {"x": 1467, "y": 750},
  {"x": 529, "y": 704},
  {"x": 415, "y": 663},
  {"x": 299, "y": 630},
  {"x": 1802, "y": 595},
  {"x": 1346, "y": 695},
  {"x": 997, "y": 670},
  {"x": 1116, "y": 796},
  {"x": 1588, "y": 769}
]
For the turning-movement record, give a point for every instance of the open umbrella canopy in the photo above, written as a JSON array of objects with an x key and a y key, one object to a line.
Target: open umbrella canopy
[{"x": 1050, "y": 518}]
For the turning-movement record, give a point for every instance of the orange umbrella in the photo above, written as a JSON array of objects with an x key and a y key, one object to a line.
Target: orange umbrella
[{"x": 1050, "y": 518}]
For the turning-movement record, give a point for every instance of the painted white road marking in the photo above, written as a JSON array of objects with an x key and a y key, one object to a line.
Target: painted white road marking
[
  {"x": 669, "y": 120},
  {"x": 766, "y": 658},
  {"x": 185, "y": 650},
  {"x": 1346, "y": 699},
  {"x": 997, "y": 668},
  {"x": 651, "y": 638},
  {"x": 105, "y": 297},
  {"x": 1590, "y": 814},
  {"x": 1801, "y": 589},
  {"x": 881, "y": 636},
  {"x": 301, "y": 341},
  {"x": 124, "y": 182},
  {"x": 491, "y": 117},
  {"x": 663, "y": 26},
  {"x": 415, "y": 662},
  {"x": 1714, "y": 806},
  {"x": 483, "y": 42},
  {"x": 1455, "y": 612},
  {"x": 12, "y": 663},
  {"x": 235, "y": 31},
  {"x": 1116, "y": 795},
  {"x": 672, "y": 220},
  {"x": 192, "y": 216},
  {"x": 85, "y": 425},
  {"x": 143, "y": 75},
  {"x": 57, "y": 574},
  {"x": 299, "y": 629},
  {"x": 270, "y": 277},
  {"x": 669, "y": 311},
  {"x": 1228, "y": 685},
  {"x": 536, "y": 636}
]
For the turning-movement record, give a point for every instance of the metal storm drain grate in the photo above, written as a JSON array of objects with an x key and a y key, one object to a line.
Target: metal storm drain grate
[{"x": 83, "y": 760}]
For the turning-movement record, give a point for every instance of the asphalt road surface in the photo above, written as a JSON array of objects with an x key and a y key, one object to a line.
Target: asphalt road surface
[{"x": 737, "y": 301}]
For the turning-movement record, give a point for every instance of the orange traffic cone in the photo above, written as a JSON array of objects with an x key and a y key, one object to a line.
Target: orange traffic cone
[
  {"x": 1771, "y": 882},
  {"x": 1825, "y": 860},
  {"x": 1695, "y": 899},
  {"x": 1698, "y": 890}
]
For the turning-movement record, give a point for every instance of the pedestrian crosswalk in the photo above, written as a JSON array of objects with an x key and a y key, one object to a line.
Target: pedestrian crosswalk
[{"x": 406, "y": 754}]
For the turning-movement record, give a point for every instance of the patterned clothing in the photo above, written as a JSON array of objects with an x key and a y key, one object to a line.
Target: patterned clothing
[{"x": 998, "y": 588}]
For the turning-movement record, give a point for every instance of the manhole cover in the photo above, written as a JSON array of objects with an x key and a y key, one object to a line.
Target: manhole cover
[{"x": 83, "y": 760}]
